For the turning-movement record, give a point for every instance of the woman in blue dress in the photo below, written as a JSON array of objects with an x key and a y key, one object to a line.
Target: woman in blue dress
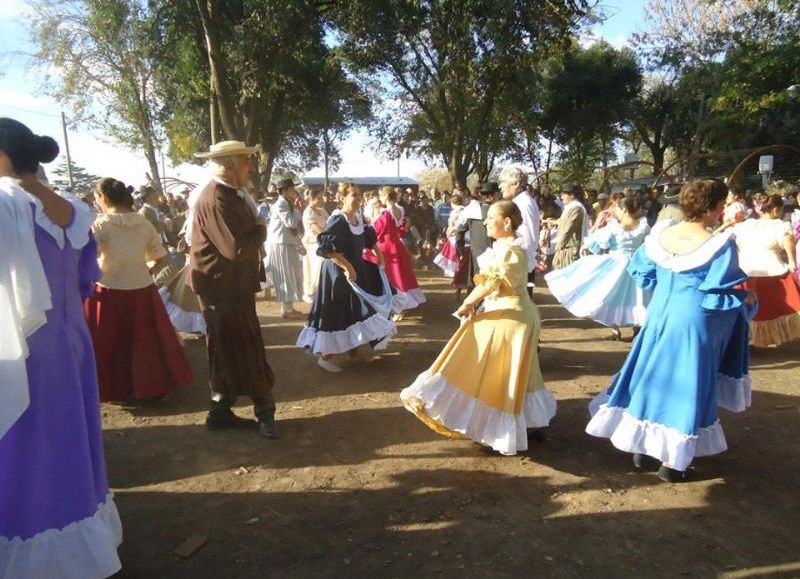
[
  {"x": 353, "y": 303},
  {"x": 599, "y": 286},
  {"x": 691, "y": 354}
]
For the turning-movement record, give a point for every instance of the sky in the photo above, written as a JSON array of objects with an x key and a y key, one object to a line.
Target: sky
[{"x": 22, "y": 98}]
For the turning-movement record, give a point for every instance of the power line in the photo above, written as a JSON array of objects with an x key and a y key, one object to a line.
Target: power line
[{"x": 31, "y": 111}]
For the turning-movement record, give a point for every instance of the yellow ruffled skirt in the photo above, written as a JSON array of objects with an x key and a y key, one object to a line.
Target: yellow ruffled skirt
[{"x": 486, "y": 385}]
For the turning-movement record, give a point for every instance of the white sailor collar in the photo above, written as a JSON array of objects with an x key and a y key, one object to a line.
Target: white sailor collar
[
  {"x": 79, "y": 226},
  {"x": 680, "y": 262}
]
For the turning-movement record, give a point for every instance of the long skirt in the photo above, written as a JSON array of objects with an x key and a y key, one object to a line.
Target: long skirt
[
  {"x": 486, "y": 385},
  {"x": 778, "y": 318},
  {"x": 285, "y": 267},
  {"x": 138, "y": 353},
  {"x": 461, "y": 279},
  {"x": 311, "y": 267},
  {"x": 599, "y": 287},
  {"x": 182, "y": 304},
  {"x": 447, "y": 260}
]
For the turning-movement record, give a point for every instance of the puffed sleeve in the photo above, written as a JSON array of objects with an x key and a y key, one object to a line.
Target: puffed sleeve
[
  {"x": 154, "y": 250},
  {"x": 643, "y": 270},
  {"x": 370, "y": 237},
  {"x": 88, "y": 269},
  {"x": 602, "y": 239},
  {"x": 506, "y": 270},
  {"x": 333, "y": 237},
  {"x": 723, "y": 276}
]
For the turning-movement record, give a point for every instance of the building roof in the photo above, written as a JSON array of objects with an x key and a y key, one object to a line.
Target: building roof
[{"x": 365, "y": 181}]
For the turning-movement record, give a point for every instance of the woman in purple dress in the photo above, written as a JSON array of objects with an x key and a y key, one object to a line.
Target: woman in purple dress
[{"x": 57, "y": 516}]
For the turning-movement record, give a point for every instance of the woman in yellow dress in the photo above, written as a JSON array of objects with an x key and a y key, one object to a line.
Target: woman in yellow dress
[{"x": 486, "y": 384}]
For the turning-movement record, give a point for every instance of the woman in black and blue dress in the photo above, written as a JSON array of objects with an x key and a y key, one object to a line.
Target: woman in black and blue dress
[{"x": 352, "y": 306}]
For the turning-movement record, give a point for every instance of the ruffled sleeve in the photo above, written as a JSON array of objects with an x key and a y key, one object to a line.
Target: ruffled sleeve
[
  {"x": 506, "y": 270},
  {"x": 88, "y": 270},
  {"x": 333, "y": 239},
  {"x": 370, "y": 237},
  {"x": 723, "y": 276},
  {"x": 79, "y": 228},
  {"x": 643, "y": 269}
]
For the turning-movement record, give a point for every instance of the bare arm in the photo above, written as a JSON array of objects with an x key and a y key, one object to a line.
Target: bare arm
[
  {"x": 343, "y": 262},
  {"x": 791, "y": 250},
  {"x": 467, "y": 308}
]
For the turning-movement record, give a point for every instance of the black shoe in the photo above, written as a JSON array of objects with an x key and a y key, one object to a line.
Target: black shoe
[
  {"x": 536, "y": 435},
  {"x": 217, "y": 420},
  {"x": 671, "y": 475},
  {"x": 641, "y": 461},
  {"x": 616, "y": 335},
  {"x": 267, "y": 429}
]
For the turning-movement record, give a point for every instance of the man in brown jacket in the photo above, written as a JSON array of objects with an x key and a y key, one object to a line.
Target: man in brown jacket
[{"x": 225, "y": 240}]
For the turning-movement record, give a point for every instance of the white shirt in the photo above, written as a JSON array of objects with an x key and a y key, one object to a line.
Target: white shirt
[{"x": 528, "y": 232}]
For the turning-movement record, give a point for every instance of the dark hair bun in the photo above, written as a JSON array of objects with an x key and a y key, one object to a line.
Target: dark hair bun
[
  {"x": 129, "y": 189},
  {"x": 47, "y": 148}
]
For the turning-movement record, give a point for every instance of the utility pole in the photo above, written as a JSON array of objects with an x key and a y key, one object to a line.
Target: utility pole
[{"x": 66, "y": 147}]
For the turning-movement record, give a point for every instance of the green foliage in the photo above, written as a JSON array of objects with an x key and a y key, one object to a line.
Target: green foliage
[
  {"x": 446, "y": 65},
  {"x": 104, "y": 54},
  {"x": 83, "y": 180}
]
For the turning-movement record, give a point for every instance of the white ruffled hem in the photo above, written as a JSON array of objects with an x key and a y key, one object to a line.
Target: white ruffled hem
[
  {"x": 373, "y": 328},
  {"x": 734, "y": 394},
  {"x": 506, "y": 433},
  {"x": 670, "y": 446},
  {"x": 183, "y": 321},
  {"x": 85, "y": 549},
  {"x": 409, "y": 300},
  {"x": 448, "y": 266}
]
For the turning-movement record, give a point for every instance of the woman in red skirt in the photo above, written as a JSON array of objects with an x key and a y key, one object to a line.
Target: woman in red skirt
[
  {"x": 138, "y": 353},
  {"x": 767, "y": 255}
]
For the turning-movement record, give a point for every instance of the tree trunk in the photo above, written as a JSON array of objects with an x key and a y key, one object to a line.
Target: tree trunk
[
  {"x": 268, "y": 158},
  {"x": 326, "y": 142},
  {"x": 658, "y": 159},
  {"x": 212, "y": 113},
  {"x": 695, "y": 153},
  {"x": 152, "y": 161},
  {"x": 208, "y": 10}
]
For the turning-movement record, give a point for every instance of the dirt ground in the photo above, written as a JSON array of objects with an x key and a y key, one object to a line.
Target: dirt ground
[{"x": 357, "y": 487}]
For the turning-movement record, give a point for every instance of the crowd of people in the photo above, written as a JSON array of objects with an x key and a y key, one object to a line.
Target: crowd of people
[{"x": 92, "y": 298}]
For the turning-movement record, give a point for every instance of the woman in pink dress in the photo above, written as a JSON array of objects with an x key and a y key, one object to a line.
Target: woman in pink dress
[{"x": 390, "y": 226}]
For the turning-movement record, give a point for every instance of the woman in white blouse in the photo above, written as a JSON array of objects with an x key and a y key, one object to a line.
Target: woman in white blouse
[
  {"x": 767, "y": 255},
  {"x": 314, "y": 219}
]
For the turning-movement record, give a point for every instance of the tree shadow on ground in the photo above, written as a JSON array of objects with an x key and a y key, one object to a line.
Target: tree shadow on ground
[{"x": 449, "y": 523}]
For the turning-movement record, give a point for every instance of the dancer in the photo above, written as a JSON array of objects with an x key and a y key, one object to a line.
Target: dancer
[
  {"x": 486, "y": 384},
  {"x": 57, "y": 516},
  {"x": 573, "y": 225},
  {"x": 314, "y": 219},
  {"x": 285, "y": 249},
  {"x": 448, "y": 258},
  {"x": 767, "y": 254},
  {"x": 138, "y": 354},
  {"x": 599, "y": 286},
  {"x": 226, "y": 235},
  {"x": 390, "y": 226},
  {"x": 353, "y": 302},
  {"x": 691, "y": 354}
]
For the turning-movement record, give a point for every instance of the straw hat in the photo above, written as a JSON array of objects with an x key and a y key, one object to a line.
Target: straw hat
[{"x": 227, "y": 149}]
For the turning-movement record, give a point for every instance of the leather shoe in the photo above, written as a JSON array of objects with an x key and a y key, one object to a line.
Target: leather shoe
[
  {"x": 641, "y": 461},
  {"x": 670, "y": 475},
  {"x": 267, "y": 429},
  {"x": 227, "y": 421}
]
